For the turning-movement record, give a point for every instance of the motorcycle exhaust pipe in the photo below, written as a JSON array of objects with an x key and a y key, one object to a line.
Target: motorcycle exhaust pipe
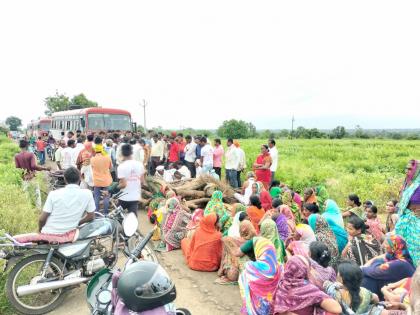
[{"x": 39, "y": 287}]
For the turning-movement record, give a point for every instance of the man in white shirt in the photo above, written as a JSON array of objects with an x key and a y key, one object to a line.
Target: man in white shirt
[
  {"x": 232, "y": 160},
  {"x": 274, "y": 157},
  {"x": 63, "y": 212},
  {"x": 242, "y": 161},
  {"x": 131, "y": 176},
  {"x": 190, "y": 155},
  {"x": 206, "y": 159},
  {"x": 57, "y": 154},
  {"x": 68, "y": 155},
  {"x": 156, "y": 154}
]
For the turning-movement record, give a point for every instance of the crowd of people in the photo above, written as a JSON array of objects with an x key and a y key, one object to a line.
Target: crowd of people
[{"x": 288, "y": 252}]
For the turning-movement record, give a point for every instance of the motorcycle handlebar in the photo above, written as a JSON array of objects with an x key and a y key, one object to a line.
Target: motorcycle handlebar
[{"x": 137, "y": 250}]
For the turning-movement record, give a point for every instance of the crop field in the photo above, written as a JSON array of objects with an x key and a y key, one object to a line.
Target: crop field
[{"x": 373, "y": 169}]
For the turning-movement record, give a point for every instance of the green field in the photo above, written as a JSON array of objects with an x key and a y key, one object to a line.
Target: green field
[{"x": 373, "y": 169}]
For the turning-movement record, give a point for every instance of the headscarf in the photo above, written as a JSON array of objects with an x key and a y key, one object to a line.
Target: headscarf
[
  {"x": 306, "y": 234},
  {"x": 266, "y": 201},
  {"x": 294, "y": 292},
  {"x": 287, "y": 200},
  {"x": 215, "y": 205},
  {"x": 234, "y": 228},
  {"x": 174, "y": 229},
  {"x": 275, "y": 192},
  {"x": 259, "y": 188},
  {"x": 334, "y": 219},
  {"x": 236, "y": 143},
  {"x": 255, "y": 215},
  {"x": 269, "y": 231},
  {"x": 321, "y": 195},
  {"x": 282, "y": 227},
  {"x": 324, "y": 234},
  {"x": 412, "y": 174},
  {"x": 399, "y": 250},
  {"x": 247, "y": 230},
  {"x": 259, "y": 279},
  {"x": 312, "y": 198}
]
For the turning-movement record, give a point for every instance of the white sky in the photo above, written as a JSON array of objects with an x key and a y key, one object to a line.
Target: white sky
[{"x": 198, "y": 63}]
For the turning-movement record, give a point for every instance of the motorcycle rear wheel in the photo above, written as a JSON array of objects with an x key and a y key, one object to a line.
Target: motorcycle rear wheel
[{"x": 22, "y": 274}]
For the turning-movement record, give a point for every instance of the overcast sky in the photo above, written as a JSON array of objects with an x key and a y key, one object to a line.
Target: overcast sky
[{"x": 198, "y": 63}]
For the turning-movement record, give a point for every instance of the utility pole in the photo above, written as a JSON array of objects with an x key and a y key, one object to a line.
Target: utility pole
[
  {"x": 144, "y": 114},
  {"x": 293, "y": 121}
]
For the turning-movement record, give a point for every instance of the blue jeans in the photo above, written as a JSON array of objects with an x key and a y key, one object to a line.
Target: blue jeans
[
  {"x": 232, "y": 178},
  {"x": 97, "y": 198},
  {"x": 41, "y": 156}
]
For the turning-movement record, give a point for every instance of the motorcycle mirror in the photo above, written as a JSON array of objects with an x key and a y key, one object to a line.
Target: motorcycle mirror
[{"x": 130, "y": 224}]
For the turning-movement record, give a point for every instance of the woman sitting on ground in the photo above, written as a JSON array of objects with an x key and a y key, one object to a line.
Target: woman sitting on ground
[
  {"x": 287, "y": 199},
  {"x": 270, "y": 232},
  {"x": 325, "y": 235},
  {"x": 275, "y": 189},
  {"x": 375, "y": 225},
  {"x": 392, "y": 217},
  {"x": 361, "y": 247},
  {"x": 354, "y": 207},
  {"x": 302, "y": 237},
  {"x": 309, "y": 196},
  {"x": 295, "y": 294},
  {"x": 204, "y": 250},
  {"x": 265, "y": 198},
  {"x": 320, "y": 270},
  {"x": 175, "y": 226},
  {"x": 321, "y": 196},
  {"x": 216, "y": 205},
  {"x": 255, "y": 212},
  {"x": 347, "y": 290},
  {"x": 281, "y": 220},
  {"x": 307, "y": 210},
  {"x": 259, "y": 278},
  {"x": 246, "y": 189},
  {"x": 334, "y": 219},
  {"x": 231, "y": 266},
  {"x": 393, "y": 266}
]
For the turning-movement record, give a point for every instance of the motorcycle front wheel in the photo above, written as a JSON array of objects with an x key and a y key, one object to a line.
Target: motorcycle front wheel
[{"x": 26, "y": 272}]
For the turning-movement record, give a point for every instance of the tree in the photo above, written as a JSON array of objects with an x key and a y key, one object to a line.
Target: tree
[
  {"x": 360, "y": 133},
  {"x": 60, "y": 102},
  {"x": 338, "y": 132},
  {"x": 236, "y": 129},
  {"x": 13, "y": 122},
  {"x": 81, "y": 100}
]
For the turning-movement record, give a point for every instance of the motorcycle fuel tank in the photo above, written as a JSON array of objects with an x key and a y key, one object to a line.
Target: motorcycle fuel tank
[{"x": 97, "y": 227}]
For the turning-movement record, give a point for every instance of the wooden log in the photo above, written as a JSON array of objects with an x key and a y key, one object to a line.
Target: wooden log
[{"x": 195, "y": 194}]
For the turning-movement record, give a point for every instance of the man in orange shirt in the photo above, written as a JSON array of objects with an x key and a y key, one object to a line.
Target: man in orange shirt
[
  {"x": 40, "y": 149},
  {"x": 101, "y": 169}
]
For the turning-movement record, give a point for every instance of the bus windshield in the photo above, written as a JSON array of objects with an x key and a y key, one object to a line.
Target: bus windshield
[
  {"x": 109, "y": 122},
  {"x": 45, "y": 126}
]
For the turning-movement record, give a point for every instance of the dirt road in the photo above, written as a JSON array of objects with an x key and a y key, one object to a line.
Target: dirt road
[{"x": 195, "y": 290}]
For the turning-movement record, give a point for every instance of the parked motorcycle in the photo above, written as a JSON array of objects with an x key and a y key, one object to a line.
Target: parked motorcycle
[
  {"x": 141, "y": 286},
  {"x": 40, "y": 273}
]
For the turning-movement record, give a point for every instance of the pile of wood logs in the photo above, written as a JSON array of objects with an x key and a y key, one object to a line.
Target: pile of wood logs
[{"x": 196, "y": 191}]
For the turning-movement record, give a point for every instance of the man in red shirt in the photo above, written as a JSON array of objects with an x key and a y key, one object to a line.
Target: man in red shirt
[
  {"x": 26, "y": 161},
  {"x": 40, "y": 149},
  {"x": 173, "y": 151}
]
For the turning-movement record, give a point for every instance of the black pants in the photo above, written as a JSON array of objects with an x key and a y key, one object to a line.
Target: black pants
[
  {"x": 154, "y": 162},
  {"x": 131, "y": 206},
  {"x": 218, "y": 171},
  {"x": 239, "y": 179},
  {"x": 191, "y": 167}
]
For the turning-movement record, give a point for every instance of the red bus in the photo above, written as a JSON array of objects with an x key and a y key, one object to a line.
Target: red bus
[
  {"x": 90, "y": 120},
  {"x": 39, "y": 128}
]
